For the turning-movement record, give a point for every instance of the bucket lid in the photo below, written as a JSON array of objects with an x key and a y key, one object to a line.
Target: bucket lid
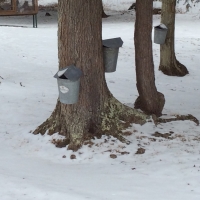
[
  {"x": 71, "y": 72},
  {"x": 113, "y": 43},
  {"x": 161, "y": 26}
]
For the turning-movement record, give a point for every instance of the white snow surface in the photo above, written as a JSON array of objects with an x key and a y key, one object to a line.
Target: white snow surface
[{"x": 32, "y": 168}]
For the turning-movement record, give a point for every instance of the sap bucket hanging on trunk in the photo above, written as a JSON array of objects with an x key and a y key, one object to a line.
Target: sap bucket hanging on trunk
[
  {"x": 160, "y": 33},
  {"x": 110, "y": 53},
  {"x": 68, "y": 84}
]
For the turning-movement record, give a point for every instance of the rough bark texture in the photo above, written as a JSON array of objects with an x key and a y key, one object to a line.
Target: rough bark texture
[
  {"x": 168, "y": 62},
  {"x": 97, "y": 111},
  {"x": 149, "y": 100}
]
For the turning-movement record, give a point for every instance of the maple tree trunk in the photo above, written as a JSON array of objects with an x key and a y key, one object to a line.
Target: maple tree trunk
[
  {"x": 169, "y": 65},
  {"x": 149, "y": 100},
  {"x": 97, "y": 111}
]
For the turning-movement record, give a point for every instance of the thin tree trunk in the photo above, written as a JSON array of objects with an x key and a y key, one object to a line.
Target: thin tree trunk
[
  {"x": 149, "y": 100},
  {"x": 80, "y": 43},
  {"x": 169, "y": 65}
]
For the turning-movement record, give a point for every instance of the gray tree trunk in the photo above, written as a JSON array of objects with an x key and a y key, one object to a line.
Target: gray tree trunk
[{"x": 169, "y": 65}]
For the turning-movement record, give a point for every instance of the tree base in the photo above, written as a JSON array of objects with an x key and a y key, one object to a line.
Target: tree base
[
  {"x": 104, "y": 15},
  {"x": 140, "y": 104},
  {"x": 176, "y": 69},
  {"x": 114, "y": 118}
]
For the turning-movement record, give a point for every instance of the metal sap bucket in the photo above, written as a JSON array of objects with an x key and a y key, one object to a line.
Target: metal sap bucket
[
  {"x": 110, "y": 53},
  {"x": 68, "y": 80},
  {"x": 160, "y": 33}
]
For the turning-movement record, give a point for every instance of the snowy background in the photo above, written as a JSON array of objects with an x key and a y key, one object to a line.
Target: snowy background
[
  {"x": 120, "y": 5},
  {"x": 31, "y": 168}
]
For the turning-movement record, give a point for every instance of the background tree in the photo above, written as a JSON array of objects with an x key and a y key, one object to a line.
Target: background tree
[
  {"x": 150, "y": 100},
  {"x": 97, "y": 111},
  {"x": 169, "y": 65}
]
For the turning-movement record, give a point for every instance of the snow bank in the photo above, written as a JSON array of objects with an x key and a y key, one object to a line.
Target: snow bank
[
  {"x": 117, "y": 5},
  {"x": 46, "y": 2},
  {"x": 194, "y": 6},
  {"x": 122, "y": 5}
]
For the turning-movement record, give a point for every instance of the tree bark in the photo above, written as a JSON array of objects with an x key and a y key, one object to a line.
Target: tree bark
[
  {"x": 149, "y": 100},
  {"x": 169, "y": 65},
  {"x": 97, "y": 111}
]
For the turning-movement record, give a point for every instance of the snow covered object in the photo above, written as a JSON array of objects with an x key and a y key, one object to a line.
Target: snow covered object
[
  {"x": 110, "y": 53},
  {"x": 68, "y": 84},
  {"x": 160, "y": 33},
  {"x": 18, "y": 7}
]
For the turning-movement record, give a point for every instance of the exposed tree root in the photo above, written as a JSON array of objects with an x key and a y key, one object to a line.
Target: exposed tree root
[
  {"x": 60, "y": 143},
  {"x": 163, "y": 135},
  {"x": 176, "y": 69},
  {"x": 117, "y": 116},
  {"x": 114, "y": 118},
  {"x": 104, "y": 15},
  {"x": 178, "y": 118},
  {"x": 51, "y": 125}
]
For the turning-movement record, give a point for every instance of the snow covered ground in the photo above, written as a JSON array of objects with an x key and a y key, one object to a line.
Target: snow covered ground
[{"x": 31, "y": 168}]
